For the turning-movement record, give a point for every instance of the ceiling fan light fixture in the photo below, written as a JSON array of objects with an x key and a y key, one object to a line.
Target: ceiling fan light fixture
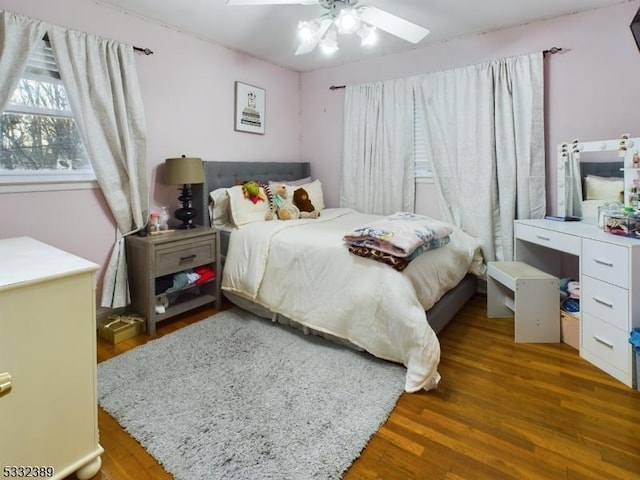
[
  {"x": 368, "y": 35},
  {"x": 329, "y": 43},
  {"x": 347, "y": 21},
  {"x": 307, "y": 30}
]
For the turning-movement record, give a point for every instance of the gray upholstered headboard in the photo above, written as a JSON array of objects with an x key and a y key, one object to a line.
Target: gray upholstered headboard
[{"x": 228, "y": 174}]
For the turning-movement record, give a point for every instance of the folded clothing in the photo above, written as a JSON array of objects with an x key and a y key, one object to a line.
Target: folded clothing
[
  {"x": 399, "y": 234},
  {"x": 398, "y": 263}
]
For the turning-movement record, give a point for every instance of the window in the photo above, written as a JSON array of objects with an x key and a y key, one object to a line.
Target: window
[
  {"x": 422, "y": 165},
  {"x": 40, "y": 142}
]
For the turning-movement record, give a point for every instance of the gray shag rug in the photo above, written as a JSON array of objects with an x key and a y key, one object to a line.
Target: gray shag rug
[{"x": 236, "y": 397}]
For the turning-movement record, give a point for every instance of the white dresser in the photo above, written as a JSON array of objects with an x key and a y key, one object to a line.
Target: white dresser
[
  {"x": 609, "y": 275},
  {"x": 48, "y": 400}
]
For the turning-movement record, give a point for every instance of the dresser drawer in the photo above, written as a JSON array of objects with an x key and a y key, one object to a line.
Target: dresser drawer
[
  {"x": 607, "y": 343},
  {"x": 171, "y": 259},
  {"x": 548, "y": 238},
  {"x": 605, "y": 301},
  {"x": 607, "y": 262}
]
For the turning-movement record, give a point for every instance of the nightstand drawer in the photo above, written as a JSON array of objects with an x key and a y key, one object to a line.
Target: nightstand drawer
[
  {"x": 605, "y": 301},
  {"x": 171, "y": 259},
  {"x": 607, "y": 262},
  {"x": 548, "y": 238},
  {"x": 607, "y": 343}
]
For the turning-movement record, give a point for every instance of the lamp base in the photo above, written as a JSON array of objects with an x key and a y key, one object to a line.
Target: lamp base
[{"x": 186, "y": 213}]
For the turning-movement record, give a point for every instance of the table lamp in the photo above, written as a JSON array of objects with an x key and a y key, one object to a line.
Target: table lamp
[{"x": 184, "y": 171}]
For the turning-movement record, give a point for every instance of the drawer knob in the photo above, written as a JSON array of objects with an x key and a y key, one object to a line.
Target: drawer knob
[
  {"x": 603, "y": 341},
  {"x": 5, "y": 382},
  {"x": 542, "y": 237},
  {"x": 188, "y": 257},
  {"x": 603, "y": 302}
]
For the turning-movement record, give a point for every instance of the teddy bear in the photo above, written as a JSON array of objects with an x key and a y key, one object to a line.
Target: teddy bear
[
  {"x": 279, "y": 206},
  {"x": 302, "y": 201},
  {"x": 252, "y": 191}
]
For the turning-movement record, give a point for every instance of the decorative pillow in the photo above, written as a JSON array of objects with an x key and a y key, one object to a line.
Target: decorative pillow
[
  {"x": 243, "y": 210},
  {"x": 604, "y": 188},
  {"x": 219, "y": 208},
  {"x": 314, "y": 189}
]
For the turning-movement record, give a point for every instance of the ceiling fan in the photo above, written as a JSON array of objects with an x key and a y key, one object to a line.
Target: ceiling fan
[{"x": 344, "y": 17}]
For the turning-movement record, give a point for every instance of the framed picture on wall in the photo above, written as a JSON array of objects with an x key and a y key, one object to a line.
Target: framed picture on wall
[{"x": 250, "y": 108}]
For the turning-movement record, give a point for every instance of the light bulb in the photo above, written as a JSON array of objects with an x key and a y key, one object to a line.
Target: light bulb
[
  {"x": 347, "y": 21},
  {"x": 368, "y": 35},
  {"x": 306, "y": 31},
  {"x": 329, "y": 43}
]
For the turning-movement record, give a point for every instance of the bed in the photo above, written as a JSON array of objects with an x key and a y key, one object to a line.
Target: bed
[{"x": 302, "y": 274}]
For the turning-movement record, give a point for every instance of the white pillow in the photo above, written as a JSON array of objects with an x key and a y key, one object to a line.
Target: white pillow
[
  {"x": 301, "y": 181},
  {"x": 314, "y": 189},
  {"x": 243, "y": 210},
  {"x": 604, "y": 188},
  {"x": 219, "y": 208}
]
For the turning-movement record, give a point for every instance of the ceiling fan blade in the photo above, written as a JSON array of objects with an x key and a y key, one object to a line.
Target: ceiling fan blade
[
  {"x": 309, "y": 45},
  {"x": 393, "y": 24},
  {"x": 271, "y": 2}
]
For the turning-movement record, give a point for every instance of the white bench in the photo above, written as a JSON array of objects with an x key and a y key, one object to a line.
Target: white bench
[{"x": 531, "y": 294}]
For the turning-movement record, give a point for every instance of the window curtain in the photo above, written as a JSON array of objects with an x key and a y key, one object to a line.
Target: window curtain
[
  {"x": 378, "y": 157},
  {"x": 484, "y": 135},
  {"x": 102, "y": 85},
  {"x": 101, "y": 82},
  {"x": 18, "y": 37}
]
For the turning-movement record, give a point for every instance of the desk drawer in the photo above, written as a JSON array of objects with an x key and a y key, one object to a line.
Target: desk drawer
[
  {"x": 607, "y": 343},
  {"x": 605, "y": 301},
  {"x": 607, "y": 262},
  {"x": 184, "y": 256},
  {"x": 548, "y": 238}
]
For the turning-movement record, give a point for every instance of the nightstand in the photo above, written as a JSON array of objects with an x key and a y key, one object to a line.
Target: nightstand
[{"x": 158, "y": 262}]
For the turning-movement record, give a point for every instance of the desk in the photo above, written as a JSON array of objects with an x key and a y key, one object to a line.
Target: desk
[{"x": 609, "y": 275}]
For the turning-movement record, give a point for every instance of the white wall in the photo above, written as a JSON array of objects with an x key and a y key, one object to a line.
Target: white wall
[
  {"x": 592, "y": 86},
  {"x": 188, "y": 92}
]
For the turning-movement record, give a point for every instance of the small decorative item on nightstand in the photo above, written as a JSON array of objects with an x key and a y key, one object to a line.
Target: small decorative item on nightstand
[{"x": 184, "y": 171}]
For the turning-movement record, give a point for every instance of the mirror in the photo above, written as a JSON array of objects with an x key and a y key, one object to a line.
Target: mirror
[{"x": 594, "y": 173}]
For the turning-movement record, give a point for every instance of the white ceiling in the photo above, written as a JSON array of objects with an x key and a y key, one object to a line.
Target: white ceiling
[{"x": 269, "y": 32}]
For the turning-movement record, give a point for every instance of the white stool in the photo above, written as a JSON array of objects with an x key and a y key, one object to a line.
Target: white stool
[{"x": 533, "y": 295}]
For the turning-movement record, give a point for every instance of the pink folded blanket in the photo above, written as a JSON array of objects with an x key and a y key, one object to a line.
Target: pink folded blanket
[{"x": 398, "y": 234}]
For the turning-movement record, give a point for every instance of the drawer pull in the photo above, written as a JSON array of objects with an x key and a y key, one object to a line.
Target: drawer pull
[
  {"x": 5, "y": 382},
  {"x": 542, "y": 237},
  {"x": 603, "y": 302},
  {"x": 603, "y": 262},
  {"x": 601, "y": 340},
  {"x": 188, "y": 257}
]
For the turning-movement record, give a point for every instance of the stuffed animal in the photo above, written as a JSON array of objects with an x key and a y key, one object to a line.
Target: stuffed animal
[
  {"x": 302, "y": 201},
  {"x": 253, "y": 192},
  {"x": 279, "y": 206}
]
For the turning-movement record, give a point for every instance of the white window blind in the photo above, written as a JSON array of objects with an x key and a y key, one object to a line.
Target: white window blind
[{"x": 39, "y": 140}]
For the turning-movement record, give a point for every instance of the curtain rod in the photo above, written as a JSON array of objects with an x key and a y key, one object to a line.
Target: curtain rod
[
  {"x": 146, "y": 51},
  {"x": 551, "y": 51}
]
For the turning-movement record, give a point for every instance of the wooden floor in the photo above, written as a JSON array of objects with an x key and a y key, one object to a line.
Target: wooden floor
[{"x": 502, "y": 411}]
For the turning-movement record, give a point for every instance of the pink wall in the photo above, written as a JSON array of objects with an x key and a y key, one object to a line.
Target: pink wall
[
  {"x": 592, "y": 87},
  {"x": 188, "y": 92}
]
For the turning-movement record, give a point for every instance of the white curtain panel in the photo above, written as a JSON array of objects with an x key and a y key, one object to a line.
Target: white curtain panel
[
  {"x": 378, "y": 153},
  {"x": 18, "y": 37},
  {"x": 484, "y": 132},
  {"x": 102, "y": 85}
]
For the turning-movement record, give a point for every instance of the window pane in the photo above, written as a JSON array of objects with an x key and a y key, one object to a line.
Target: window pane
[
  {"x": 32, "y": 143},
  {"x": 39, "y": 94}
]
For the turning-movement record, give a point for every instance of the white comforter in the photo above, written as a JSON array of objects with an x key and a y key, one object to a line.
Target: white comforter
[{"x": 302, "y": 269}]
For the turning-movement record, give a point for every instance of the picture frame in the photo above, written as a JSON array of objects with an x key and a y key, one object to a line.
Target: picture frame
[{"x": 250, "y": 103}]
